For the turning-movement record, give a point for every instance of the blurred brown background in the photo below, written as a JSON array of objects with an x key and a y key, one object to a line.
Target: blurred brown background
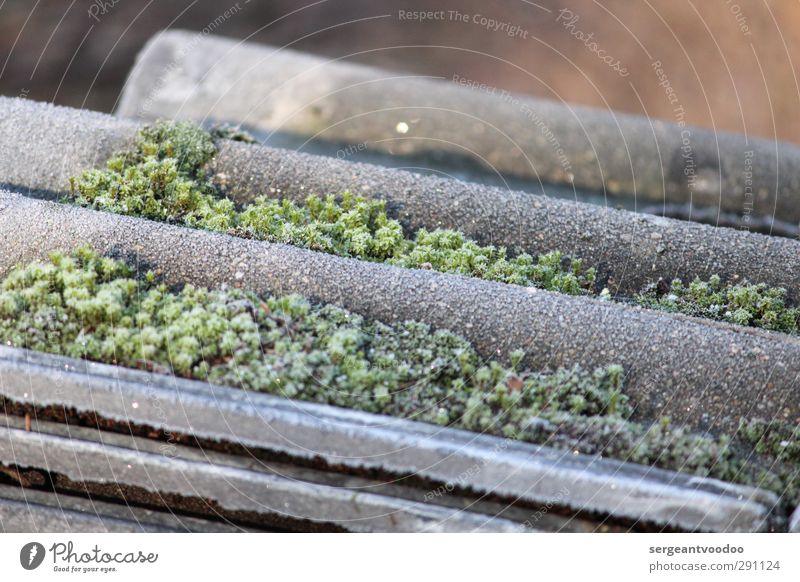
[{"x": 730, "y": 64}]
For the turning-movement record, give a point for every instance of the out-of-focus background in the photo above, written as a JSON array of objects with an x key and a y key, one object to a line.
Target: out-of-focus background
[{"x": 729, "y": 65}]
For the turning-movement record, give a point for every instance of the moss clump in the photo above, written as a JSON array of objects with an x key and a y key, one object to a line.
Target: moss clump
[
  {"x": 666, "y": 445},
  {"x": 92, "y": 307},
  {"x": 162, "y": 178},
  {"x": 775, "y": 438},
  {"x": 355, "y": 227},
  {"x": 190, "y": 146},
  {"x": 775, "y": 457},
  {"x": 451, "y": 252},
  {"x": 742, "y": 304},
  {"x": 349, "y": 227}
]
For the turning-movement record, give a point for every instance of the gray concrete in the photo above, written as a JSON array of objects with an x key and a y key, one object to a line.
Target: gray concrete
[
  {"x": 291, "y": 464},
  {"x": 483, "y": 464},
  {"x": 233, "y": 489},
  {"x": 31, "y": 517},
  {"x": 186, "y": 75},
  {"x": 707, "y": 374},
  {"x": 629, "y": 250},
  {"x": 42, "y": 145},
  {"x": 29, "y": 510},
  {"x": 138, "y": 518}
]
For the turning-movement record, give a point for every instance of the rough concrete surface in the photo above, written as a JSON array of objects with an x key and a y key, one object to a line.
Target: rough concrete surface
[
  {"x": 628, "y": 249},
  {"x": 28, "y": 516},
  {"x": 181, "y": 75},
  {"x": 24, "y": 510},
  {"x": 395, "y": 447},
  {"x": 42, "y": 145},
  {"x": 231, "y": 488},
  {"x": 705, "y": 373}
]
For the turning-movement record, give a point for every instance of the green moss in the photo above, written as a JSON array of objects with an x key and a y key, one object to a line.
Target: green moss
[
  {"x": 742, "y": 304},
  {"x": 451, "y": 252},
  {"x": 775, "y": 438},
  {"x": 91, "y": 307},
  {"x": 190, "y": 146},
  {"x": 162, "y": 178},
  {"x": 349, "y": 227}
]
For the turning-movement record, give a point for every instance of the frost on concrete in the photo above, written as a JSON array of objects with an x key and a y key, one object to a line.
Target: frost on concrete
[
  {"x": 163, "y": 178},
  {"x": 91, "y": 307}
]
